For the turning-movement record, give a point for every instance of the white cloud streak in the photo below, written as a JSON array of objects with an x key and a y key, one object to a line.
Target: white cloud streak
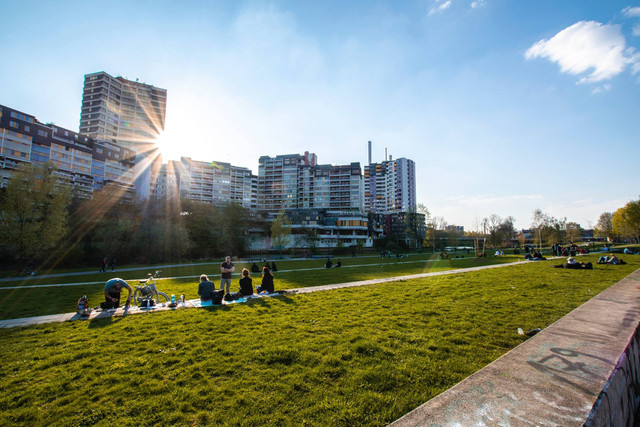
[
  {"x": 596, "y": 51},
  {"x": 478, "y": 4},
  {"x": 633, "y": 12},
  {"x": 440, "y": 6}
]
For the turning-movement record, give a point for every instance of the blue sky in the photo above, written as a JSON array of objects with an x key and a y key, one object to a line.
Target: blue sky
[{"x": 505, "y": 106}]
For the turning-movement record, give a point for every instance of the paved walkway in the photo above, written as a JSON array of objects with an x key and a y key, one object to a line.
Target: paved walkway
[
  {"x": 27, "y": 321},
  {"x": 212, "y": 275},
  {"x": 160, "y": 267}
]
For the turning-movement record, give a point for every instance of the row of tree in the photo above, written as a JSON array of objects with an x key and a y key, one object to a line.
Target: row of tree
[
  {"x": 623, "y": 224},
  {"x": 41, "y": 220}
]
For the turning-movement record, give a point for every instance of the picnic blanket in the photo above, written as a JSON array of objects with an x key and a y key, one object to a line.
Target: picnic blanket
[{"x": 197, "y": 303}]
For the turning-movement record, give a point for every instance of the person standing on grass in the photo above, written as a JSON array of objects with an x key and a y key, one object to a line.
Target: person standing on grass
[
  {"x": 112, "y": 290},
  {"x": 226, "y": 268},
  {"x": 206, "y": 288},
  {"x": 267, "y": 281}
]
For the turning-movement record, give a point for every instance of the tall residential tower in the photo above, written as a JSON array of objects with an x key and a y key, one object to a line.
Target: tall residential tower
[{"x": 127, "y": 113}]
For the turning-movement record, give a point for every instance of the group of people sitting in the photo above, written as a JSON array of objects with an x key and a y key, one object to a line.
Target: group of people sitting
[
  {"x": 208, "y": 293},
  {"x": 534, "y": 256},
  {"x": 329, "y": 264},
  {"x": 573, "y": 264},
  {"x": 610, "y": 259}
]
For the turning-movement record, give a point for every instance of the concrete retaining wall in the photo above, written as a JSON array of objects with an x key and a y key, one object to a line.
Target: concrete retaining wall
[
  {"x": 619, "y": 401},
  {"x": 583, "y": 369}
]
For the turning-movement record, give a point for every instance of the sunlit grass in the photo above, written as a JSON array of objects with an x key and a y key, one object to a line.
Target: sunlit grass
[
  {"x": 26, "y": 301},
  {"x": 344, "y": 357}
]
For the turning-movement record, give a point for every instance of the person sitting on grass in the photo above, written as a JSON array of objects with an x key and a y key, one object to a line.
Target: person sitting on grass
[
  {"x": 267, "y": 282},
  {"x": 112, "y": 290},
  {"x": 613, "y": 260},
  {"x": 246, "y": 286},
  {"x": 328, "y": 264},
  {"x": 273, "y": 266},
  {"x": 255, "y": 268},
  {"x": 206, "y": 288},
  {"x": 338, "y": 264}
]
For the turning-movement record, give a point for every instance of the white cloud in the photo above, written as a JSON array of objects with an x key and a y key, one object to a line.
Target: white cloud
[
  {"x": 439, "y": 6},
  {"x": 478, "y": 3},
  {"x": 601, "y": 89},
  {"x": 633, "y": 12},
  {"x": 587, "y": 47}
]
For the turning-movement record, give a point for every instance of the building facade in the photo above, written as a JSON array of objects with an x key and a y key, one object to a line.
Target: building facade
[
  {"x": 129, "y": 114},
  {"x": 81, "y": 161},
  {"x": 390, "y": 186},
  {"x": 207, "y": 182},
  {"x": 294, "y": 181}
]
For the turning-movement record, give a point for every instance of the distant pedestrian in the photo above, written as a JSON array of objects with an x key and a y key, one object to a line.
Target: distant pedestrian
[
  {"x": 112, "y": 263},
  {"x": 105, "y": 262},
  {"x": 226, "y": 268}
]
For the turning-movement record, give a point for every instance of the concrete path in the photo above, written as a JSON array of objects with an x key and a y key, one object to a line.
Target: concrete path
[
  {"x": 211, "y": 276},
  {"x": 27, "y": 321},
  {"x": 160, "y": 267},
  {"x": 582, "y": 369}
]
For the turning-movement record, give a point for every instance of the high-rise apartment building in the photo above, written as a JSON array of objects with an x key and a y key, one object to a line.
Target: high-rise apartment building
[
  {"x": 208, "y": 182},
  {"x": 81, "y": 161},
  {"x": 127, "y": 113},
  {"x": 390, "y": 186},
  {"x": 295, "y": 181}
]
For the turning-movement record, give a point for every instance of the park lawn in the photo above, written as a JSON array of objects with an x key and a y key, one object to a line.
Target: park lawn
[
  {"x": 26, "y": 301},
  {"x": 356, "y": 356}
]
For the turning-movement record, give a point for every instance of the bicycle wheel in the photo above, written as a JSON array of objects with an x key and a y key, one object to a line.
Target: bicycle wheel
[
  {"x": 162, "y": 298},
  {"x": 137, "y": 298}
]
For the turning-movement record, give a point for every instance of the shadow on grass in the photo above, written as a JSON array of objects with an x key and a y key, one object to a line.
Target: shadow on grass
[{"x": 101, "y": 322}]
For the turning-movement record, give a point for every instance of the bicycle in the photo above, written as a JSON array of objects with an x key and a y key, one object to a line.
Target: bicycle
[{"x": 145, "y": 294}]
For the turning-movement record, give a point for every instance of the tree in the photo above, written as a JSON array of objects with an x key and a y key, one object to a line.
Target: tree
[
  {"x": 548, "y": 229},
  {"x": 574, "y": 232},
  {"x": 626, "y": 220},
  {"x": 604, "y": 227},
  {"x": 33, "y": 213},
  {"x": 280, "y": 231}
]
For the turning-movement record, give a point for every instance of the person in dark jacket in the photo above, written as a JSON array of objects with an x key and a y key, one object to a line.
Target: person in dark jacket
[
  {"x": 206, "y": 288},
  {"x": 267, "y": 281},
  {"x": 255, "y": 268},
  {"x": 246, "y": 285}
]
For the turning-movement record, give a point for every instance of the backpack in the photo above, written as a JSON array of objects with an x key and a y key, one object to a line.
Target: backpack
[{"x": 217, "y": 296}]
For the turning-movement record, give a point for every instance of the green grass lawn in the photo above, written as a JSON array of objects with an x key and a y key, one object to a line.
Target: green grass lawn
[
  {"x": 357, "y": 356},
  {"x": 26, "y": 301}
]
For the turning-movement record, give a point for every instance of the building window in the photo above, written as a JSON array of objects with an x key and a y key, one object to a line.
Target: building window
[{"x": 12, "y": 123}]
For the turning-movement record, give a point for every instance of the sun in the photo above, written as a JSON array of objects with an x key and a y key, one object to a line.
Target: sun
[{"x": 167, "y": 147}]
